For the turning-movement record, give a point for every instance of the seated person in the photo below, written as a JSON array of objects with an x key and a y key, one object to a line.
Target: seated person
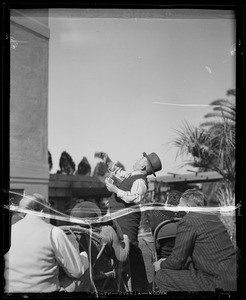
[
  {"x": 164, "y": 246},
  {"x": 15, "y": 217},
  {"x": 158, "y": 216},
  {"x": 203, "y": 257},
  {"x": 89, "y": 209},
  {"x": 112, "y": 258},
  {"x": 38, "y": 250}
]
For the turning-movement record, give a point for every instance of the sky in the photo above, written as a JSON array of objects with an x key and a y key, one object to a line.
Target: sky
[{"x": 124, "y": 85}]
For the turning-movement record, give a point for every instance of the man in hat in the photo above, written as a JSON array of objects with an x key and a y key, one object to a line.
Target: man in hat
[
  {"x": 37, "y": 252},
  {"x": 128, "y": 190},
  {"x": 203, "y": 257}
]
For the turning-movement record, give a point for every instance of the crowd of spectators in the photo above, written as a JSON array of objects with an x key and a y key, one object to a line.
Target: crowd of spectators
[{"x": 42, "y": 259}]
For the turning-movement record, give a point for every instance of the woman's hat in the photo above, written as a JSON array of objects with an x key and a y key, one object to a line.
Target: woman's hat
[
  {"x": 85, "y": 209},
  {"x": 154, "y": 163}
]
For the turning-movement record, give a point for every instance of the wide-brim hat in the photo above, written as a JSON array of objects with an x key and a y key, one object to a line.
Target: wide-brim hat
[
  {"x": 85, "y": 209},
  {"x": 154, "y": 163}
]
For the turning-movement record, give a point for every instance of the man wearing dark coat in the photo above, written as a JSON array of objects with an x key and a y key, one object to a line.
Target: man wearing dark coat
[
  {"x": 203, "y": 257},
  {"x": 128, "y": 190}
]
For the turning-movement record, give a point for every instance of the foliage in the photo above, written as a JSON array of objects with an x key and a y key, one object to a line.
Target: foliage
[
  {"x": 50, "y": 162},
  {"x": 66, "y": 163},
  {"x": 193, "y": 141},
  {"x": 100, "y": 169},
  {"x": 222, "y": 131},
  {"x": 211, "y": 146},
  {"x": 84, "y": 168}
]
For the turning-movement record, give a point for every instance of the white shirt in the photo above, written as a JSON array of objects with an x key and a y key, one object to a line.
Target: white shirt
[
  {"x": 73, "y": 263},
  {"x": 138, "y": 189}
]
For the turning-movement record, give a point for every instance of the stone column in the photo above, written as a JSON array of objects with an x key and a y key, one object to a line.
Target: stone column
[{"x": 29, "y": 49}]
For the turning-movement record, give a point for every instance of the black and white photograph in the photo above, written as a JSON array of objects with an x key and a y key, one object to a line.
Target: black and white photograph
[{"x": 122, "y": 143}]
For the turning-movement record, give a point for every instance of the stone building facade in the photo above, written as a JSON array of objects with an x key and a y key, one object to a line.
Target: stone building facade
[{"x": 29, "y": 50}]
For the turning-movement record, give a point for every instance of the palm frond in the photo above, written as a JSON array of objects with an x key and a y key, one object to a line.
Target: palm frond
[
  {"x": 231, "y": 92},
  {"x": 222, "y": 102},
  {"x": 212, "y": 115},
  {"x": 220, "y": 115},
  {"x": 228, "y": 114},
  {"x": 210, "y": 123}
]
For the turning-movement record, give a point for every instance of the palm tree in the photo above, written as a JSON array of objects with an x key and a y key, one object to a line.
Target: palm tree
[
  {"x": 226, "y": 108},
  {"x": 66, "y": 163},
  {"x": 211, "y": 146},
  {"x": 193, "y": 142},
  {"x": 222, "y": 131},
  {"x": 84, "y": 167},
  {"x": 50, "y": 161}
]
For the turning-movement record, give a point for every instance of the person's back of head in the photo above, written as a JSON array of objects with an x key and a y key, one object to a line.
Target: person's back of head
[
  {"x": 193, "y": 198},
  {"x": 173, "y": 198},
  {"x": 35, "y": 202}
]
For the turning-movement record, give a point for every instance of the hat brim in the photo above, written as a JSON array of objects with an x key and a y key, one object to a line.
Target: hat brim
[{"x": 146, "y": 155}]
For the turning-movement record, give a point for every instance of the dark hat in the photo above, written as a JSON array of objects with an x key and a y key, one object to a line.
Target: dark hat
[
  {"x": 85, "y": 209},
  {"x": 154, "y": 163}
]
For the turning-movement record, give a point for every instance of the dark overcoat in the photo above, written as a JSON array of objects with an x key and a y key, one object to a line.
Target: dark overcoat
[{"x": 203, "y": 258}]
